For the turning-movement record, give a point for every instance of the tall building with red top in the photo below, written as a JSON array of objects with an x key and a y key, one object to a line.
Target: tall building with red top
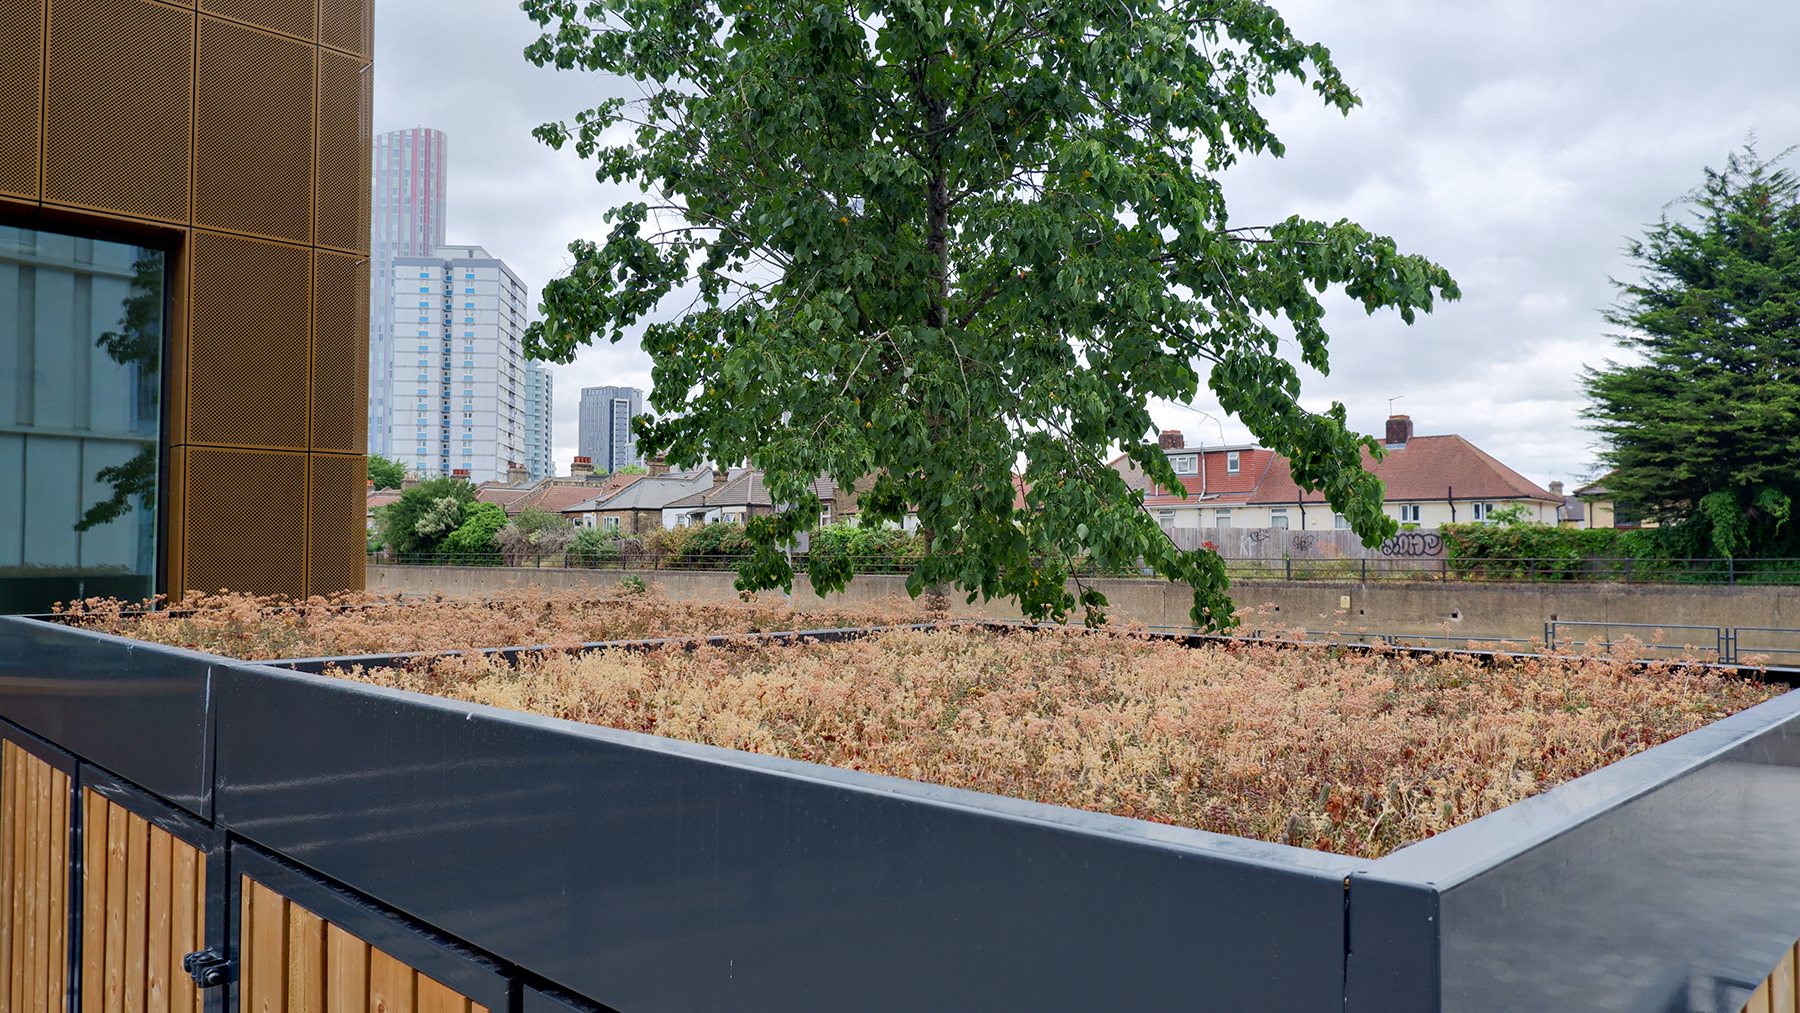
[{"x": 407, "y": 220}]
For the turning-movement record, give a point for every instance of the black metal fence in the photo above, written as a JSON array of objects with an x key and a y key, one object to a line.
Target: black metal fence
[
  {"x": 578, "y": 866},
  {"x": 1357, "y": 569}
]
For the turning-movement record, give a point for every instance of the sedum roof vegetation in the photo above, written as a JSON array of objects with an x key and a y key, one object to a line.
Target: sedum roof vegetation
[{"x": 1357, "y": 753}]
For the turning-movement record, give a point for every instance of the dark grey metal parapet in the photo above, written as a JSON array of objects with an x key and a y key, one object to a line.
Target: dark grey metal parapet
[{"x": 647, "y": 874}]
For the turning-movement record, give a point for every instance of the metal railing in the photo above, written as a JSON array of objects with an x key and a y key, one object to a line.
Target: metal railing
[
  {"x": 1725, "y": 642},
  {"x": 1359, "y": 570}
]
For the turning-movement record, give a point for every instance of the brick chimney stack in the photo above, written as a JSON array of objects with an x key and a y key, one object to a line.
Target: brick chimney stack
[
  {"x": 1172, "y": 440},
  {"x": 581, "y": 467},
  {"x": 720, "y": 476},
  {"x": 516, "y": 473},
  {"x": 658, "y": 465},
  {"x": 1399, "y": 430},
  {"x": 1556, "y": 488}
]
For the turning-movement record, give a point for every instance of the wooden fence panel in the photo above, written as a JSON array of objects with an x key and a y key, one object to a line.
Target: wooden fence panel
[
  {"x": 34, "y": 884},
  {"x": 297, "y": 962},
  {"x": 143, "y": 909},
  {"x": 1780, "y": 991}
]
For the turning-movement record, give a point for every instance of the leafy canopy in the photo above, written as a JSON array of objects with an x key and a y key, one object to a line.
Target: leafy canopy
[
  {"x": 425, "y": 515},
  {"x": 1704, "y": 432},
  {"x": 929, "y": 240},
  {"x": 384, "y": 473}
]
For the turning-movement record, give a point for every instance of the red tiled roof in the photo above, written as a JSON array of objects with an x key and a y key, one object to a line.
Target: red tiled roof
[{"x": 1427, "y": 468}]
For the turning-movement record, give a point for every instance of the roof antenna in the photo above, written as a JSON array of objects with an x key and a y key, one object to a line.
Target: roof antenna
[{"x": 1391, "y": 401}]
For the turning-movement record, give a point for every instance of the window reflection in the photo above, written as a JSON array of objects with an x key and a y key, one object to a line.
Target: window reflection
[{"x": 81, "y": 339}]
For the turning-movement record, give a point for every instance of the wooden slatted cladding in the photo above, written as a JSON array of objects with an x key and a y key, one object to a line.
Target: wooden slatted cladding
[
  {"x": 297, "y": 962},
  {"x": 143, "y": 909},
  {"x": 1780, "y": 991},
  {"x": 34, "y": 884}
]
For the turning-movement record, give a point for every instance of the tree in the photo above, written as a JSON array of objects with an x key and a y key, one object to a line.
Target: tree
[
  {"x": 930, "y": 241},
  {"x": 535, "y": 532},
  {"x": 1704, "y": 433},
  {"x": 425, "y": 515},
  {"x": 475, "y": 534},
  {"x": 384, "y": 473}
]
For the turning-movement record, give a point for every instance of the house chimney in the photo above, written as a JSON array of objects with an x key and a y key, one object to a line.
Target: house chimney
[
  {"x": 720, "y": 477},
  {"x": 1171, "y": 439},
  {"x": 658, "y": 465},
  {"x": 1399, "y": 430},
  {"x": 516, "y": 473},
  {"x": 581, "y": 467},
  {"x": 1556, "y": 488},
  {"x": 462, "y": 473},
  {"x": 410, "y": 481}
]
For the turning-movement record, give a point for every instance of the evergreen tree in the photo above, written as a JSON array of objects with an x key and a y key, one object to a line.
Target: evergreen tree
[
  {"x": 929, "y": 240},
  {"x": 1704, "y": 434}
]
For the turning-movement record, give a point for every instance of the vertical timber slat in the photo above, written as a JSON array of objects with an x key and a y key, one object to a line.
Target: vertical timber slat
[
  {"x": 306, "y": 961},
  {"x": 184, "y": 926},
  {"x": 34, "y": 877},
  {"x": 9, "y": 893},
  {"x": 93, "y": 903},
  {"x": 137, "y": 913},
  {"x": 114, "y": 961},
  {"x": 156, "y": 957},
  {"x": 57, "y": 952},
  {"x": 391, "y": 984},
  {"x": 346, "y": 972},
  {"x": 265, "y": 968},
  {"x": 435, "y": 997}
]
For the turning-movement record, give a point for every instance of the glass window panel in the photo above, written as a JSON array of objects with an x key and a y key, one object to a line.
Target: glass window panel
[{"x": 81, "y": 345}]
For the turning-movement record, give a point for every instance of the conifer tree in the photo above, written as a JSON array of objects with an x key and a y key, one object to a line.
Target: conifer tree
[{"x": 1704, "y": 433}]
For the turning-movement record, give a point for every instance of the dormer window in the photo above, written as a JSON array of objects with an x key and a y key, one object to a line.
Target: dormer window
[
  {"x": 1183, "y": 465},
  {"x": 1231, "y": 462}
]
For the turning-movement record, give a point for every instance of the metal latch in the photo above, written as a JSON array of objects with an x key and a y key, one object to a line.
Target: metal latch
[{"x": 207, "y": 967}]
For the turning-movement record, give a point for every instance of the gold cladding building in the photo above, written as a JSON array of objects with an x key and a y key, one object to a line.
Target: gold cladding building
[{"x": 184, "y": 206}]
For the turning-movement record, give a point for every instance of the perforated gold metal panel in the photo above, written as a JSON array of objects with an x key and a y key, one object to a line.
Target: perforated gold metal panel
[
  {"x": 337, "y": 524},
  {"x": 246, "y": 521},
  {"x": 116, "y": 107},
  {"x": 253, "y": 133},
  {"x": 348, "y": 25},
  {"x": 248, "y": 338},
  {"x": 339, "y": 387},
  {"x": 21, "y": 71},
  {"x": 345, "y": 144},
  {"x": 290, "y": 17}
]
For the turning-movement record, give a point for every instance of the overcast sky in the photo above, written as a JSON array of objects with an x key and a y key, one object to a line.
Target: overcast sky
[{"x": 1518, "y": 143}]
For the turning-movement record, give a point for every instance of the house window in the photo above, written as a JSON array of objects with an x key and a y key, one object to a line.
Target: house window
[
  {"x": 1484, "y": 510},
  {"x": 1409, "y": 512},
  {"x": 1231, "y": 462},
  {"x": 1340, "y": 522},
  {"x": 825, "y": 515},
  {"x": 612, "y": 524},
  {"x": 1221, "y": 518},
  {"x": 1183, "y": 465},
  {"x": 1278, "y": 517},
  {"x": 1166, "y": 518}
]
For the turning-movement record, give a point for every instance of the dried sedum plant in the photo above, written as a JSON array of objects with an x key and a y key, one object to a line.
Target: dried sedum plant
[
  {"x": 260, "y": 628},
  {"x": 1353, "y": 753},
  {"x": 1345, "y": 751}
]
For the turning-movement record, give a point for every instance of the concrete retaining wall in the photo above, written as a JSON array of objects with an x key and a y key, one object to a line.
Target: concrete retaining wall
[{"x": 1477, "y": 611}]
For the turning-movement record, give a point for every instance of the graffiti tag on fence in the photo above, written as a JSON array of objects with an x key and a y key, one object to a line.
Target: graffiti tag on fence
[
  {"x": 1413, "y": 544},
  {"x": 1304, "y": 542}
]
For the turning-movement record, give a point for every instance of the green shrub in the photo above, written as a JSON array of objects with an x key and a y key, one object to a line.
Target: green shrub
[{"x": 473, "y": 540}]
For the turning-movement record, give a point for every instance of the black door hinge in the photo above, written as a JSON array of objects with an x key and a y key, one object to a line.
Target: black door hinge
[{"x": 207, "y": 967}]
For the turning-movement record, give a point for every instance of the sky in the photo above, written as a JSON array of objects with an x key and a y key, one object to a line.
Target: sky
[{"x": 1521, "y": 144}]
